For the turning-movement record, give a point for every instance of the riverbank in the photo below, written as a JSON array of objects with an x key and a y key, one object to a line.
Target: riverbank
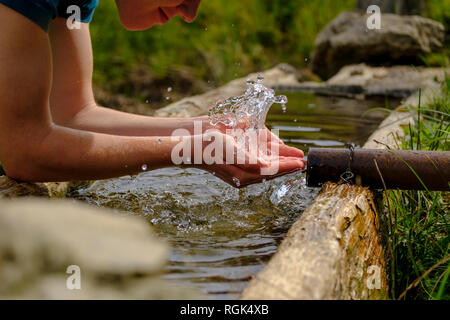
[{"x": 419, "y": 221}]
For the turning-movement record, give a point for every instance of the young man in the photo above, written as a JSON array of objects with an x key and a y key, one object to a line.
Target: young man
[{"x": 51, "y": 129}]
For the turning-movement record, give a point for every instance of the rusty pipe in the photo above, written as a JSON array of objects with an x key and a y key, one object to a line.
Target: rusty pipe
[{"x": 393, "y": 169}]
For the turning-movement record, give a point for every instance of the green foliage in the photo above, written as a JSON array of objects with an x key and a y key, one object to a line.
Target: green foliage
[
  {"x": 228, "y": 39},
  {"x": 440, "y": 11},
  {"x": 419, "y": 220}
]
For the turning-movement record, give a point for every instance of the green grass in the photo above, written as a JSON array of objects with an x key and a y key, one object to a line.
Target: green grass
[
  {"x": 419, "y": 221},
  {"x": 229, "y": 39}
]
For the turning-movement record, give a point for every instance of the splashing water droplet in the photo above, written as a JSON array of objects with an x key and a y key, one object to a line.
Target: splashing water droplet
[
  {"x": 147, "y": 101},
  {"x": 248, "y": 110},
  {"x": 144, "y": 167},
  {"x": 236, "y": 182},
  {"x": 169, "y": 89},
  {"x": 260, "y": 78},
  {"x": 295, "y": 120},
  {"x": 283, "y": 108},
  {"x": 167, "y": 98}
]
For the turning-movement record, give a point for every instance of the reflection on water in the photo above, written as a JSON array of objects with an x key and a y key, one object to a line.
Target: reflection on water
[
  {"x": 317, "y": 121},
  {"x": 222, "y": 236}
]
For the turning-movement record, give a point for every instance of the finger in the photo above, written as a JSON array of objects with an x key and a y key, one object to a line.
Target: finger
[
  {"x": 289, "y": 164},
  {"x": 288, "y": 151}
]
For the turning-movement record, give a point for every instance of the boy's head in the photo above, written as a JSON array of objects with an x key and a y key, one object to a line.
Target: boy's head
[{"x": 143, "y": 14}]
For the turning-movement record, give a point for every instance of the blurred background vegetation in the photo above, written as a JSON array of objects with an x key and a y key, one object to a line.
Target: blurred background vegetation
[{"x": 228, "y": 40}]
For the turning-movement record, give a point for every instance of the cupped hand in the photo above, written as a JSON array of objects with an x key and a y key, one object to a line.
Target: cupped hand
[{"x": 241, "y": 165}]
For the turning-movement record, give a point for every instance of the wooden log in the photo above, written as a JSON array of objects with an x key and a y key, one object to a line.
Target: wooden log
[{"x": 334, "y": 251}]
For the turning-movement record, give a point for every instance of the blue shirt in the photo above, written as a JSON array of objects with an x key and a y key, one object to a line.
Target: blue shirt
[{"x": 42, "y": 12}]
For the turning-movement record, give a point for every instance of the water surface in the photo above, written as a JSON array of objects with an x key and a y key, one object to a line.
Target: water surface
[{"x": 221, "y": 236}]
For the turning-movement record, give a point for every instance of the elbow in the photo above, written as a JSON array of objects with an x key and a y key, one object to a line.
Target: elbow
[{"x": 20, "y": 167}]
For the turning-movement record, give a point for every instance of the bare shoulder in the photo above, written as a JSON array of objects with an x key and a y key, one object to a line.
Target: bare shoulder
[{"x": 17, "y": 30}]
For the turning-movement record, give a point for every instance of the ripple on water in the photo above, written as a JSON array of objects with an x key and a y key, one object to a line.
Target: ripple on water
[{"x": 221, "y": 236}]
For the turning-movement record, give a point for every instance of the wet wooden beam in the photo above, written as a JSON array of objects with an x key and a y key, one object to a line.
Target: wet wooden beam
[{"x": 334, "y": 251}]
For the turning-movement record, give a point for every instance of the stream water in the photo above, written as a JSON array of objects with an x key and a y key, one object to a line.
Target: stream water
[{"x": 221, "y": 236}]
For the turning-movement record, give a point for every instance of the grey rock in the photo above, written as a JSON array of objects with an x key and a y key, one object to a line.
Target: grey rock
[
  {"x": 358, "y": 81},
  {"x": 118, "y": 254},
  {"x": 401, "y": 40}
]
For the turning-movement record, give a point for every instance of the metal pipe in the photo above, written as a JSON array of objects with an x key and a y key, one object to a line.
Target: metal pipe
[{"x": 379, "y": 169}]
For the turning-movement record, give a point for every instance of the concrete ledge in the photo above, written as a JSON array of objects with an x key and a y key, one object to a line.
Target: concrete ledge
[{"x": 328, "y": 251}]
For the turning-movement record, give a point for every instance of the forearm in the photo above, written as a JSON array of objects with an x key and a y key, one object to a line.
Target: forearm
[
  {"x": 104, "y": 120},
  {"x": 68, "y": 154}
]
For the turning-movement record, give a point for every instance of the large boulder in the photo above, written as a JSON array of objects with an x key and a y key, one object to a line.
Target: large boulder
[
  {"x": 118, "y": 255},
  {"x": 401, "y": 40}
]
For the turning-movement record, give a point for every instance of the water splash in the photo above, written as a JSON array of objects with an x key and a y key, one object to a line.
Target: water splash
[
  {"x": 281, "y": 191},
  {"x": 249, "y": 110}
]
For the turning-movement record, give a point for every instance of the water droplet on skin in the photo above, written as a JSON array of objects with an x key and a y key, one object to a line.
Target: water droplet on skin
[
  {"x": 159, "y": 141},
  {"x": 236, "y": 182},
  {"x": 144, "y": 167},
  {"x": 169, "y": 89}
]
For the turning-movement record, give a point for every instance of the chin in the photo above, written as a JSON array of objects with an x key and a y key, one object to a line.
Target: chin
[{"x": 139, "y": 23}]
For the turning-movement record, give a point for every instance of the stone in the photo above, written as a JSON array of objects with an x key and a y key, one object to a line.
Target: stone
[
  {"x": 119, "y": 256},
  {"x": 333, "y": 251},
  {"x": 391, "y": 131},
  {"x": 359, "y": 81},
  {"x": 10, "y": 188},
  {"x": 401, "y": 40}
]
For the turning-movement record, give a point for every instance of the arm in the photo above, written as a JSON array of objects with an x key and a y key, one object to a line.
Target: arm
[
  {"x": 35, "y": 148},
  {"x": 32, "y": 147},
  {"x": 72, "y": 101}
]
